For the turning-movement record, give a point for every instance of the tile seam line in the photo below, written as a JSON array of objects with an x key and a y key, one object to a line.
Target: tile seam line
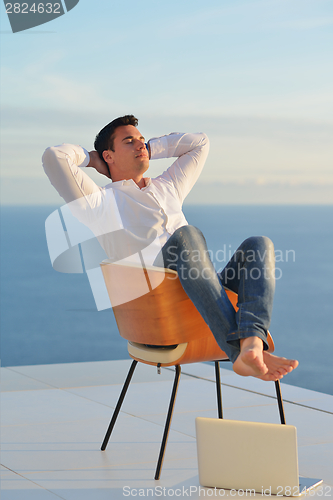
[
  {"x": 256, "y": 392},
  {"x": 72, "y": 392},
  {"x": 31, "y": 378},
  {"x": 84, "y": 469},
  {"x": 189, "y": 375},
  {"x": 284, "y": 400},
  {"x": 30, "y": 481},
  {"x": 56, "y": 386},
  {"x": 127, "y": 413}
]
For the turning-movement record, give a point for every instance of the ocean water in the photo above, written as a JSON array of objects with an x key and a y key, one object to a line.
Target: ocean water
[{"x": 50, "y": 317}]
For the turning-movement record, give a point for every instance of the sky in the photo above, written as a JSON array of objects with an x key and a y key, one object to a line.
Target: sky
[{"x": 255, "y": 75}]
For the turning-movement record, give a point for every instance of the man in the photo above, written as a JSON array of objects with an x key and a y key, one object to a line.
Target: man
[{"x": 142, "y": 206}]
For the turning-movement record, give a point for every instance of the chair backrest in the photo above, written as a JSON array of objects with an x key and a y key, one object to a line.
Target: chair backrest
[{"x": 163, "y": 315}]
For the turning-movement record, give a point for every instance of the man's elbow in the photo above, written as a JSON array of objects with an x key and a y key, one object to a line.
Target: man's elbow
[
  {"x": 49, "y": 155},
  {"x": 53, "y": 156},
  {"x": 52, "y": 161}
]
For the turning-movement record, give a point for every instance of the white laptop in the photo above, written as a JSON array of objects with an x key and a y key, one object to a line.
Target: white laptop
[{"x": 250, "y": 456}]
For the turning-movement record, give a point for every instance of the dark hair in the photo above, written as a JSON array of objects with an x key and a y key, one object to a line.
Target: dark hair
[{"x": 104, "y": 138}]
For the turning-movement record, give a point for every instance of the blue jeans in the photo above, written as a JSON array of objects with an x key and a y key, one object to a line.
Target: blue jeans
[{"x": 249, "y": 273}]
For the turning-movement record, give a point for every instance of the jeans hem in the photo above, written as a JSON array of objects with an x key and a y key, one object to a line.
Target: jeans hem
[{"x": 234, "y": 338}]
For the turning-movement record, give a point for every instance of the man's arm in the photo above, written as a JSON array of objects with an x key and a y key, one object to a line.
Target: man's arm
[
  {"x": 62, "y": 166},
  {"x": 191, "y": 151},
  {"x": 98, "y": 164}
]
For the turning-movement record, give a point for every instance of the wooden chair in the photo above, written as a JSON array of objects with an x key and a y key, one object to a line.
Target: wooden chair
[{"x": 163, "y": 328}]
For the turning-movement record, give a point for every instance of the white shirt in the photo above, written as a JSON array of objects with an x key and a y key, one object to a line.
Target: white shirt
[{"x": 125, "y": 218}]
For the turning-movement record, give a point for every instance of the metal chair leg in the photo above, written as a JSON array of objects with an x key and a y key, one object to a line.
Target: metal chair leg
[
  {"x": 120, "y": 402},
  {"x": 219, "y": 394},
  {"x": 218, "y": 389},
  {"x": 280, "y": 402},
  {"x": 168, "y": 422}
]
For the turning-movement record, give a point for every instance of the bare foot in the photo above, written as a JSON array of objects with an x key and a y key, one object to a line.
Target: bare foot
[{"x": 255, "y": 362}]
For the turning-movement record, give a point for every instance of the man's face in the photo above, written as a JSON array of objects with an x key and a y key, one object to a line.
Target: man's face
[{"x": 130, "y": 158}]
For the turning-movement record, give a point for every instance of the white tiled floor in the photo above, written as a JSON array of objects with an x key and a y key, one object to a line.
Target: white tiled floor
[{"x": 54, "y": 418}]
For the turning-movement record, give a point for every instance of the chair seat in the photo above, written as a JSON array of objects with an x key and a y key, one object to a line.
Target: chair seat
[
  {"x": 156, "y": 355},
  {"x": 195, "y": 351}
]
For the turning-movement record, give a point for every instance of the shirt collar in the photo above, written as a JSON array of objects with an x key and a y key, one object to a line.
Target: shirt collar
[{"x": 130, "y": 182}]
